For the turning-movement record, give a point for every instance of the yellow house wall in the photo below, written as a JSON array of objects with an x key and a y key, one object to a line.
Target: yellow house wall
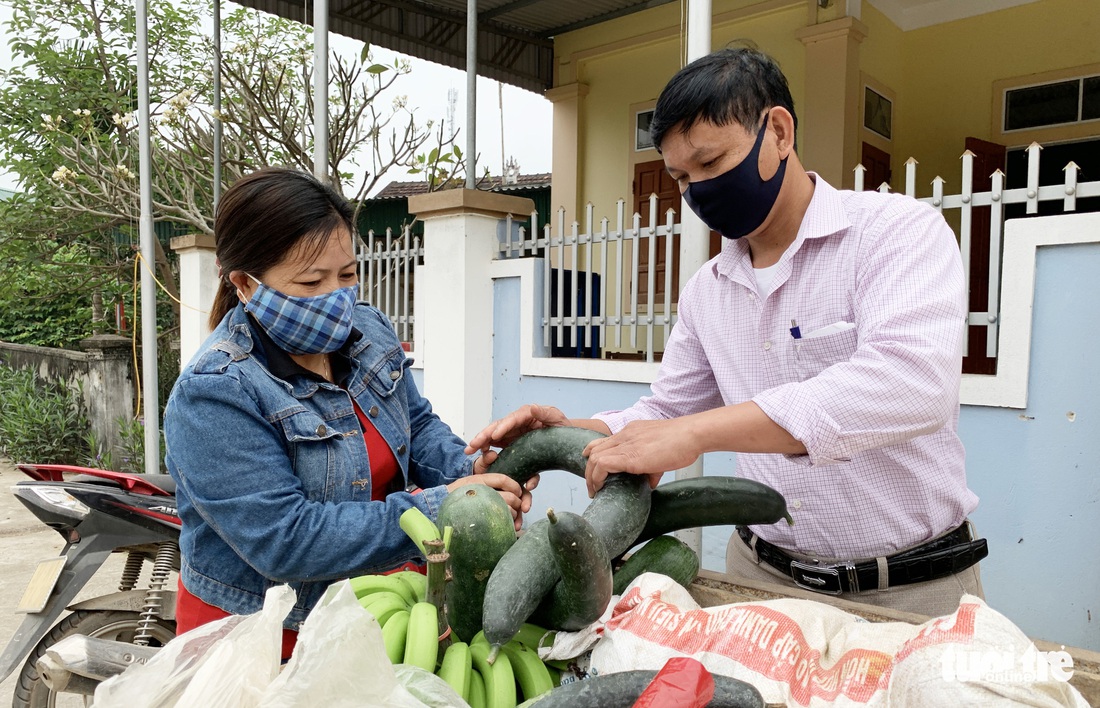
[
  {"x": 943, "y": 75},
  {"x": 621, "y": 76}
]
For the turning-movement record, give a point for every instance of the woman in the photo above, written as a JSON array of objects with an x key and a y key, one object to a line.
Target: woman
[{"x": 295, "y": 431}]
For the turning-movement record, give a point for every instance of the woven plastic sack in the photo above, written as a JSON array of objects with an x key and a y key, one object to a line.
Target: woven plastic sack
[{"x": 807, "y": 653}]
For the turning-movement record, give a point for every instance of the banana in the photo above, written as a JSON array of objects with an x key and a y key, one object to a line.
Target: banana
[
  {"x": 531, "y": 674},
  {"x": 456, "y": 668},
  {"x": 479, "y": 638},
  {"x": 371, "y": 598},
  {"x": 394, "y": 634},
  {"x": 385, "y": 606},
  {"x": 417, "y": 582},
  {"x": 422, "y": 643},
  {"x": 533, "y": 636},
  {"x": 477, "y": 690},
  {"x": 418, "y": 527},
  {"x": 500, "y": 681},
  {"x": 368, "y": 584}
]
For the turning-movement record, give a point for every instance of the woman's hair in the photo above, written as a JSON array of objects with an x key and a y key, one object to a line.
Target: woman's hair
[
  {"x": 263, "y": 217},
  {"x": 727, "y": 86}
]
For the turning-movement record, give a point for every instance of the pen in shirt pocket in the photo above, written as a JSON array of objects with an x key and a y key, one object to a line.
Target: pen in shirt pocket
[{"x": 796, "y": 333}]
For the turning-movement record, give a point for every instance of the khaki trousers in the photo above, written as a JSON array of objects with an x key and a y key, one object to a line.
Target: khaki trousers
[{"x": 934, "y": 598}]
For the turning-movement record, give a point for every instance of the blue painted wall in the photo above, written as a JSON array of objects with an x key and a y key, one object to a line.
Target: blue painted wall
[{"x": 1036, "y": 471}]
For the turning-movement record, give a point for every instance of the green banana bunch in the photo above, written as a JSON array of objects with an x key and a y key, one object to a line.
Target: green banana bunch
[
  {"x": 500, "y": 680},
  {"x": 418, "y": 527},
  {"x": 531, "y": 674},
  {"x": 457, "y": 669},
  {"x": 395, "y": 635},
  {"x": 396, "y": 583},
  {"x": 422, "y": 640}
]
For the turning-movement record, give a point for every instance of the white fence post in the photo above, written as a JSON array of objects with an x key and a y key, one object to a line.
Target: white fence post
[
  {"x": 198, "y": 286},
  {"x": 454, "y": 300}
]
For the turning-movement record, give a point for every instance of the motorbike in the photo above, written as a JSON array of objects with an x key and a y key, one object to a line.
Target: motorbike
[{"x": 98, "y": 513}]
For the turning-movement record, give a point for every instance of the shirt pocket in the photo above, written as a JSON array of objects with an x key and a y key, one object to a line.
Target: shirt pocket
[
  {"x": 815, "y": 354},
  {"x": 389, "y": 375},
  {"x": 314, "y": 448}
]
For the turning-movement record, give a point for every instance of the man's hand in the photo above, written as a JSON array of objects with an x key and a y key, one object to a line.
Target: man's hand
[
  {"x": 500, "y": 433},
  {"x": 649, "y": 447},
  {"x": 516, "y": 496}
]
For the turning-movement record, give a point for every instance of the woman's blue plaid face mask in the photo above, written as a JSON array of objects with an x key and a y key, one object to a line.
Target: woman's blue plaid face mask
[{"x": 304, "y": 325}]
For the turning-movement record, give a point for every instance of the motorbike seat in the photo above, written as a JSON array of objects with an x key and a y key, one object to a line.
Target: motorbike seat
[{"x": 163, "y": 481}]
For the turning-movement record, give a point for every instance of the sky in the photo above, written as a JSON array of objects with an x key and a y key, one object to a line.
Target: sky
[{"x": 524, "y": 119}]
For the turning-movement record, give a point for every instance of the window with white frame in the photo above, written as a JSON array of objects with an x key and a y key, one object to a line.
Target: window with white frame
[
  {"x": 642, "y": 138},
  {"x": 1064, "y": 102},
  {"x": 878, "y": 113}
]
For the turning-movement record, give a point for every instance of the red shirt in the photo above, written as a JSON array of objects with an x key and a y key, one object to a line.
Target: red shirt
[{"x": 191, "y": 612}]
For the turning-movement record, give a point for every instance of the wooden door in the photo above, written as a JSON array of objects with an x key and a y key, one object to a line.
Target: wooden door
[
  {"x": 877, "y": 164},
  {"x": 988, "y": 158},
  {"x": 652, "y": 178}
]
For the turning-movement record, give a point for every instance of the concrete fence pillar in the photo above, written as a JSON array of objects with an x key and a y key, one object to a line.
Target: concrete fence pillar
[
  {"x": 108, "y": 388},
  {"x": 830, "y": 106},
  {"x": 454, "y": 300},
  {"x": 198, "y": 286}
]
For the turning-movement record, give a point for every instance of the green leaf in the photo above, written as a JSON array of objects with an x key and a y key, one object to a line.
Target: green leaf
[{"x": 377, "y": 68}]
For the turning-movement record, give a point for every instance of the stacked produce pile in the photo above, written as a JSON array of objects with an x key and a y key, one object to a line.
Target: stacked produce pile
[{"x": 489, "y": 599}]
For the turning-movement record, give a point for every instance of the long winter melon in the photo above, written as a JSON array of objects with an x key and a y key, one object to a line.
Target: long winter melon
[{"x": 482, "y": 531}]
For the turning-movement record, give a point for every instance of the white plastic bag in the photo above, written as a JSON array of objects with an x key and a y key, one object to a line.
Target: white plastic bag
[
  {"x": 428, "y": 688},
  {"x": 339, "y": 660},
  {"x": 228, "y": 662}
]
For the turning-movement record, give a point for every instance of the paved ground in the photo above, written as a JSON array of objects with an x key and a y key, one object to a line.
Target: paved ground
[{"x": 24, "y": 541}]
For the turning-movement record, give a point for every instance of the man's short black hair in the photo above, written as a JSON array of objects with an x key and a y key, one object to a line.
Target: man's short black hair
[{"x": 727, "y": 86}]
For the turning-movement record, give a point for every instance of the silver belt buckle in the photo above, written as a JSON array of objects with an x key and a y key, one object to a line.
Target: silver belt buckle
[{"x": 824, "y": 578}]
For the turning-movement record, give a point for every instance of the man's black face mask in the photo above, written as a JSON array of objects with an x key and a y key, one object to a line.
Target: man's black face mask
[{"x": 735, "y": 203}]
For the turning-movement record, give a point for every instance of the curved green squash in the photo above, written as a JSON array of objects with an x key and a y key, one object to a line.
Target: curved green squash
[
  {"x": 521, "y": 578},
  {"x": 555, "y": 448},
  {"x": 666, "y": 555},
  {"x": 712, "y": 501},
  {"x": 582, "y": 594}
]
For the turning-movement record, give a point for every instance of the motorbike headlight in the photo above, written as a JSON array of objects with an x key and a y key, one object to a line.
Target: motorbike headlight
[{"x": 62, "y": 501}]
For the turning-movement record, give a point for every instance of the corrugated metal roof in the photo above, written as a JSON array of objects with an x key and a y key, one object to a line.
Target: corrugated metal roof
[
  {"x": 514, "y": 36},
  {"x": 404, "y": 190}
]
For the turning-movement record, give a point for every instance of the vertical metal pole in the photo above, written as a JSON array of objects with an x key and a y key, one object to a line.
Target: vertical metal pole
[
  {"x": 694, "y": 234},
  {"x": 320, "y": 89},
  {"x": 217, "y": 102},
  {"x": 148, "y": 250},
  {"x": 471, "y": 93}
]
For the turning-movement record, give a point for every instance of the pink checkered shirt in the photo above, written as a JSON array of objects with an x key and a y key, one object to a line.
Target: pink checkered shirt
[{"x": 876, "y": 405}]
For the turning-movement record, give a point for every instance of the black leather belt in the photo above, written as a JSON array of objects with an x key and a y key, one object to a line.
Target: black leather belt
[{"x": 946, "y": 555}]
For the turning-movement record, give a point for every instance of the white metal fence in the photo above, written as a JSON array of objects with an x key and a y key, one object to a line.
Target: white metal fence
[
  {"x": 608, "y": 306},
  {"x": 387, "y": 274},
  {"x": 599, "y": 300},
  {"x": 996, "y": 199}
]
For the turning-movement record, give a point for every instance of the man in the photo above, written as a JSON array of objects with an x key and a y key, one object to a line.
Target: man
[{"x": 823, "y": 344}]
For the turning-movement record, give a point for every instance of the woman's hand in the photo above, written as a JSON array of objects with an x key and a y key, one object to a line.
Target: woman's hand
[
  {"x": 501, "y": 433},
  {"x": 516, "y": 496}
]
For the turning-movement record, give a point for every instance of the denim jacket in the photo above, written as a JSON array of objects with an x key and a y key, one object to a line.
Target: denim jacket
[{"x": 272, "y": 473}]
